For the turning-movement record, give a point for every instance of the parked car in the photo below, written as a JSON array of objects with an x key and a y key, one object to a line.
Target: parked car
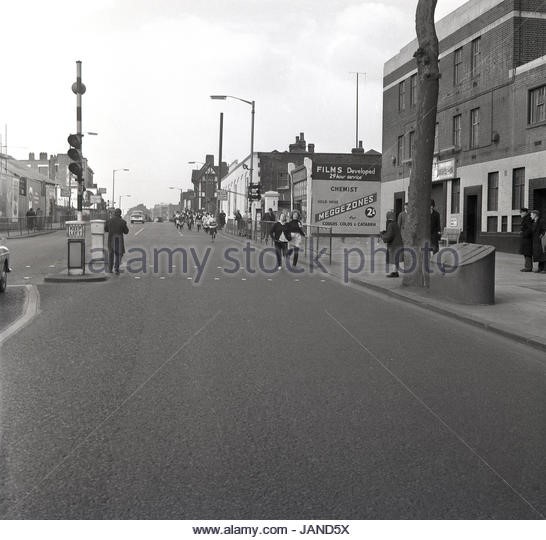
[
  {"x": 159, "y": 220},
  {"x": 4, "y": 268}
]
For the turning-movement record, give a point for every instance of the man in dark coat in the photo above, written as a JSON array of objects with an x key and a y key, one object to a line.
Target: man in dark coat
[
  {"x": 392, "y": 237},
  {"x": 435, "y": 228},
  {"x": 539, "y": 229},
  {"x": 526, "y": 240},
  {"x": 116, "y": 227}
]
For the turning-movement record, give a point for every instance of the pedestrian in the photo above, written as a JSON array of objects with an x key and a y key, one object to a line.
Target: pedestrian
[
  {"x": 435, "y": 227},
  {"x": 267, "y": 223},
  {"x": 526, "y": 240},
  {"x": 281, "y": 237},
  {"x": 539, "y": 230},
  {"x": 295, "y": 229},
  {"x": 403, "y": 219},
  {"x": 239, "y": 221},
  {"x": 392, "y": 237},
  {"x": 31, "y": 217},
  {"x": 116, "y": 227},
  {"x": 221, "y": 219}
]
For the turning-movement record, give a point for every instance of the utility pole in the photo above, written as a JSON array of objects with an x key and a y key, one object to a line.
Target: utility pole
[
  {"x": 220, "y": 161},
  {"x": 357, "y": 73}
]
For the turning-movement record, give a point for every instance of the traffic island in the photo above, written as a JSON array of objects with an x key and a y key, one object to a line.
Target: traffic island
[{"x": 87, "y": 277}]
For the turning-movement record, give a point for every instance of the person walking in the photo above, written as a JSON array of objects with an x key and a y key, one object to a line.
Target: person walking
[
  {"x": 281, "y": 237},
  {"x": 295, "y": 229},
  {"x": 539, "y": 229},
  {"x": 31, "y": 219},
  {"x": 403, "y": 218},
  {"x": 392, "y": 237},
  {"x": 268, "y": 220},
  {"x": 239, "y": 221},
  {"x": 526, "y": 240},
  {"x": 221, "y": 220},
  {"x": 435, "y": 227},
  {"x": 116, "y": 227}
]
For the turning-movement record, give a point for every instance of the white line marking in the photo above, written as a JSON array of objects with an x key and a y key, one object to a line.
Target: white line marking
[
  {"x": 243, "y": 279},
  {"x": 139, "y": 231},
  {"x": 190, "y": 278},
  {"x": 137, "y": 277},
  {"x": 28, "y": 266},
  {"x": 435, "y": 415},
  {"x": 51, "y": 266},
  {"x": 26, "y": 277},
  {"x": 30, "y": 310},
  {"x": 162, "y": 277},
  {"x": 216, "y": 279}
]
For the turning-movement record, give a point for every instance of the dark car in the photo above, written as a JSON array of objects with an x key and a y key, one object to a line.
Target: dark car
[{"x": 4, "y": 268}]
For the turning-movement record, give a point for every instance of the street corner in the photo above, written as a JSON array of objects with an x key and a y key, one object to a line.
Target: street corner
[{"x": 13, "y": 305}]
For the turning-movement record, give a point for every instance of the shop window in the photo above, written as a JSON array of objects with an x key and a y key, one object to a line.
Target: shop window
[{"x": 492, "y": 223}]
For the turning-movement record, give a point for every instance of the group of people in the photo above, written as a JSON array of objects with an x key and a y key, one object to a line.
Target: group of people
[
  {"x": 392, "y": 236},
  {"x": 202, "y": 220},
  {"x": 34, "y": 219},
  {"x": 532, "y": 238},
  {"x": 287, "y": 234}
]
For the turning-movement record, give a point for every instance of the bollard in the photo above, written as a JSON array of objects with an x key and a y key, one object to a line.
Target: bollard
[{"x": 97, "y": 240}]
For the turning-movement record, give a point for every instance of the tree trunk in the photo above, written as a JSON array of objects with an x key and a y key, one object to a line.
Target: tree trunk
[{"x": 417, "y": 230}]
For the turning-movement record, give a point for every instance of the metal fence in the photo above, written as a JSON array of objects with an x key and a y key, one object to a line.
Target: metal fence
[
  {"x": 30, "y": 225},
  {"x": 317, "y": 238}
]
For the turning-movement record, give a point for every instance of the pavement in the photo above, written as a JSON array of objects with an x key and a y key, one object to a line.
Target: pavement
[{"x": 519, "y": 310}]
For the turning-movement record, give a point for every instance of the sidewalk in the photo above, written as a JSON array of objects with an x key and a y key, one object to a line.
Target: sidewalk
[{"x": 519, "y": 311}]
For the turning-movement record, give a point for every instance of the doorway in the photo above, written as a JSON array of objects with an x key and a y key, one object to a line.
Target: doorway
[
  {"x": 472, "y": 214},
  {"x": 399, "y": 198},
  {"x": 539, "y": 201}
]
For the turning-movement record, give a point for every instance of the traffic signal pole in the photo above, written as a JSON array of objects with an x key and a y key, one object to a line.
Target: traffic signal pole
[
  {"x": 79, "y": 89},
  {"x": 220, "y": 162}
]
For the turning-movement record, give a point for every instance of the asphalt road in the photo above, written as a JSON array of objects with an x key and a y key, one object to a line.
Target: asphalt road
[{"x": 261, "y": 396}]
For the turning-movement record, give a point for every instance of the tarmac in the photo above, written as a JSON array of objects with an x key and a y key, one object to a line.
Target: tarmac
[{"x": 519, "y": 311}]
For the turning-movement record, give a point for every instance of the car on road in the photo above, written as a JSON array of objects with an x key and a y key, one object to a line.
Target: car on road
[
  {"x": 4, "y": 268},
  {"x": 158, "y": 220},
  {"x": 137, "y": 217}
]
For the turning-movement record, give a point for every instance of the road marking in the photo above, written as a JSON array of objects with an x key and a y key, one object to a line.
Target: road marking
[
  {"x": 26, "y": 277},
  {"x": 139, "y": 231},
  {"x": 51, "y": 266},
  {"x": 189, "y": 278},
  {"x": 269, "y": 279},
  {"x": 435, "y": 415},
  {"x": 137, "y": 277},
  {"x": 296, "y": 280},
  {"x": 30, "y": 310},
  {"x": 28, "y": 266},
  {"x": 243, "y": 279},
  {"x": 162, "y": 277},
  {"x": 216, "y": 279},
  {"x": 101, "y": 423}
]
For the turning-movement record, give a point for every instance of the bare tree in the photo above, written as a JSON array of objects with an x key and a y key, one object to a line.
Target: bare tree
[{"x": 417, "y": 232}]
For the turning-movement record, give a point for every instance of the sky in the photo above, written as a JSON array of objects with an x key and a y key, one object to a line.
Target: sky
[{"x": 150, "y": 67}]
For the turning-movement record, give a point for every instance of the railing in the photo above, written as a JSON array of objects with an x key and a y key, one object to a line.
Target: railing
[
  {"x": 317, "y": 237},
  {"x": 30, "y": 225}
]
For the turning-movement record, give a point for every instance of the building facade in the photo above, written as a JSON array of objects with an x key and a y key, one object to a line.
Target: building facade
[{"x": 490, "y": 145}]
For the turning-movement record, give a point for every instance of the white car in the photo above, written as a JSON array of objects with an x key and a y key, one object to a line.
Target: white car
[{"x": 137, "y": 217}]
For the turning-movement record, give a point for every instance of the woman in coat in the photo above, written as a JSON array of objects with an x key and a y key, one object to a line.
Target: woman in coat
[
  {"x": 526, "y": 240},
  {"x": 392, "y": 237},
  {"x": 539, "y": 229},
  {"x": 281, "y": 237},
  {"x": 296, "y": 236}
]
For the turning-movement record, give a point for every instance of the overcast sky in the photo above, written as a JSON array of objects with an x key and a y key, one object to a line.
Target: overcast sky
[{"x": 151, "y": 65}]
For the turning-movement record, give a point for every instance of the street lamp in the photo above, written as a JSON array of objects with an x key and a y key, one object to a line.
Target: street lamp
[
  {"x": 114, "y": 183},
  {"x": 252, "y": 104},
  {"x": 120, "y": 199},
  {"x": 180, "y": 197}
]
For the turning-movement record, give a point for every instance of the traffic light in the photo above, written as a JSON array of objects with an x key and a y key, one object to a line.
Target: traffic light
[
  {"x": 254, "y": 192},
  {"x": 75, "y": 155}
]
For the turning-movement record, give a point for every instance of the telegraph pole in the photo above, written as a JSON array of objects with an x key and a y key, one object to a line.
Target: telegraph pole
[{"x": 357, "y": 73}]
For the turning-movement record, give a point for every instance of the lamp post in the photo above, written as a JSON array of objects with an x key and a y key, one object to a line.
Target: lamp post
[
  {"x": 180, "y": 197},
  {"x": 114, "y": 171},
  {"x": 120, "y": 199},
  {"x": 253, "y": 105}
]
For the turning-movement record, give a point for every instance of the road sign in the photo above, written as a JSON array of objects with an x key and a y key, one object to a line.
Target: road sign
[
  {"x": 95, "y": 199},
  {"x": 65, "y": 192},
  {"x": 222, "y": 195},
  {"x": 102, "y": 190}
]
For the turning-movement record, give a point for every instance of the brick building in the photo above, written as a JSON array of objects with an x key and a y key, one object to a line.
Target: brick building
[
  {"x": 271, "y": 172},
  {"x": 490, "y": 148}
]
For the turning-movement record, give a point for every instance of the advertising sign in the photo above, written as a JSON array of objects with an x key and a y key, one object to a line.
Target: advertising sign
[
  {"x": 95, "y": 199},
  {"x": 222, "y": 195},
  {"x": 75, "y": 230},
  {"x": 65, "y": 192},
  {"x": 443, "y": 170},
  {"x": 346, "y": 198}
]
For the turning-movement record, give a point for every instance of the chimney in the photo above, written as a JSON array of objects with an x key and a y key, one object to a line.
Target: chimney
[
  {"x": 311, "y": 148},
  {"x": 43, "y": 156},
  {"x": 359, "y": 150},
  {"x": 209, "y": 159},
  {"x": 31, "y": 156},
  {"x": 302, "y": 142}
]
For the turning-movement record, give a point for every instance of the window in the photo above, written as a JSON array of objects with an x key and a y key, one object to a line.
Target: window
[
  {"x": 400, "y": 150},
  {"x": 474, "y": 128},
  {"x": 537, "y": 108},
  {"x": 493, "y": 191},
  {"x": 516, "y": 223},
  {"x": 504, "y": 224},
  {"x": 492, "y": 223},
  {"x": 436, "y": 144},
  {"x": 411, "y": 145},
  {"x": 475, "y": 52},
  {"x": 455, "y": 196},
  {"x": 457, "y": 131},
  {"x": 518, "y": 188},
  {"x": 413, "y": 90},
  {"x": 458, "y": 65},
  {"x": 402, "y": 96}
]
